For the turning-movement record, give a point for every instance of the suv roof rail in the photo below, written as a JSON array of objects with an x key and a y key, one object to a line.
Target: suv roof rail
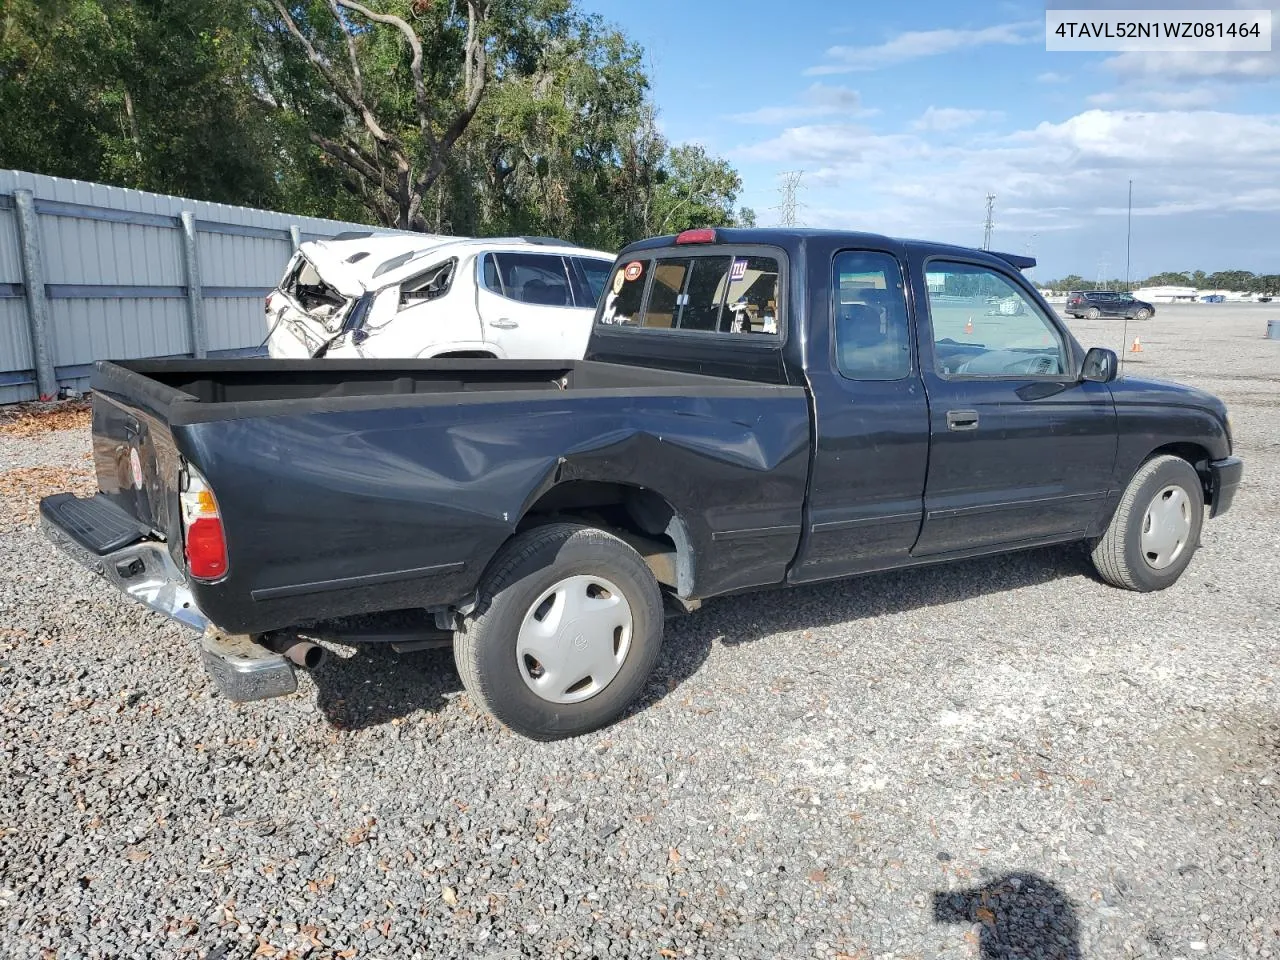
[
  {"x": 353, "y": 235},
  {"x": 550, "y": 241}
]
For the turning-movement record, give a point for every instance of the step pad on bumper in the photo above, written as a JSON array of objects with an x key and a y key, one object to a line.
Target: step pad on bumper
[{"x": 96, "y": 524}]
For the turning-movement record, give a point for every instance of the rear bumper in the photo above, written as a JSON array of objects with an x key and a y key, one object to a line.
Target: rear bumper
[
  {"x": 142, "y": 569},
  {"x": 91, "y": 531},
  {"x": 1224, "y": 478}
]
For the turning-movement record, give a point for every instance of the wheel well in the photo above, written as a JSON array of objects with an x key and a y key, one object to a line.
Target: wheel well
[
  {"x": 643, "y": 518},
  {"x": 1195, "y": 455},
  {"x": 465, "y": 355}
]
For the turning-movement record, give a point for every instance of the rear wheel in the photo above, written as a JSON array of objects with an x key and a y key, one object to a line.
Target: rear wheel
[
  {"x": 567, "y": 630},
  {"x": 1156, "y": 527},
  {"x": 1093, "y": 313}
]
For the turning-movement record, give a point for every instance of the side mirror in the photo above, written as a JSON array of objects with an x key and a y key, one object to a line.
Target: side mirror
[{"x": 1100, "y": 365}]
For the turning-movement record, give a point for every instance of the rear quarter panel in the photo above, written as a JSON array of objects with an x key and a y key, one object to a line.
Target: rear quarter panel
[{"x": 404, "y": 503}]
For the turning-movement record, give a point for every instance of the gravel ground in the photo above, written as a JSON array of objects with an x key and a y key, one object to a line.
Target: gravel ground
[{"x": 1001, "y": 758}]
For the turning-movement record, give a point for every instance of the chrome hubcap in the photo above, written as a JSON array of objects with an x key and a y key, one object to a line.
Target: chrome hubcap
[
  {"x": 1166, "y": 527},
  {"x": 574, "y": 639}
]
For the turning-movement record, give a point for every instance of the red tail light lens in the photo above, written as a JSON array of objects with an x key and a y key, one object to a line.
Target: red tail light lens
[
  {"x": 206, "y": 549},
  {"x": 705, "y": 235},
  {"x": 205, "y": 540}
]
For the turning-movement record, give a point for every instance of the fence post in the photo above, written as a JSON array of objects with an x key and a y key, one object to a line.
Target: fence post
[
  {"x": 33, "y": 284},
  {"x": 195, "y": 294},
  {"x": 295, "y": 236}
]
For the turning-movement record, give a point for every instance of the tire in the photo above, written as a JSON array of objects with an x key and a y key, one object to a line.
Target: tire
[
  {"x": 1126, "y": 557},
  {"x": 1093, "y": 313},
  {"x": 1142, "y": 315},
  {"x": 538, "y": 578}
]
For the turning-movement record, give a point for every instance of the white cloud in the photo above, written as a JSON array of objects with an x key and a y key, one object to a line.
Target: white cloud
[
  {"x": 952, "y": 118},
  {"x": 1052, "y": 77},
  {"x": 925, "y": 43},
  {"x": 1190, "y": 98},
  {"x": 1055, "y": 177},
  {"x": 819, "y": 100},
  {"x": 1184, "y": 65}
]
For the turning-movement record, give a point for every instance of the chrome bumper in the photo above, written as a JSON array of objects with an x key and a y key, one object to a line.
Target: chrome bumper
[
  {"x": 241, "y": 669},
  {"x": 143, "y": 570}
]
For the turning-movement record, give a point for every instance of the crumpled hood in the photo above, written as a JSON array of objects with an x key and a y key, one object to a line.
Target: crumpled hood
[{"x": 350, "y": 266}]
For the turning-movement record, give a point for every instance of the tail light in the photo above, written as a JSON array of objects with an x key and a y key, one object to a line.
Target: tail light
[{"x": 202, "y": 532}]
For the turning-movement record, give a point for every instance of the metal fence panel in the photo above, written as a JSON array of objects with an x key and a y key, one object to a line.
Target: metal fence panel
[
  {"x": 10, "y": 262},
  {"x": 235, "y": 323},
  {"x": 116, "y": 279}
]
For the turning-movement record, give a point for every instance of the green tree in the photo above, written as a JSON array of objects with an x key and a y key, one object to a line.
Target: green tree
[
  {"x": 455, "y": 116},
  {"x": 1168, "y": 279},
  {"x": 390, "y": 93},
  {"x": 1231, "y": 280},
  {"x": 144, "y": 94},
  {"x": 697, "y": 191}
]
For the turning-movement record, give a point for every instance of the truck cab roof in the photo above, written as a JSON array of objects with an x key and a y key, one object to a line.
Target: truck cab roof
[{"x": 791, "y": 237}]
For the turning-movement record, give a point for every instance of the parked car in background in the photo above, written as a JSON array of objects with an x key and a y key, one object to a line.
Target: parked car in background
[
  {"x": 397, "y": 296},
  {"x": 1107, "y": 303}
]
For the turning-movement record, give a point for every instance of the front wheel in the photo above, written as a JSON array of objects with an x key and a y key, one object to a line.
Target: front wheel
[
  {"x": 1156, "y": 527},
  {"x": 566, "y": 632},
  {"x": 1143, "y": 314}
]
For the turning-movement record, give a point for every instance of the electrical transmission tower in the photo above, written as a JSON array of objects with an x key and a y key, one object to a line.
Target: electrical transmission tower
[
  {"x": 790, "y": 206},
  {"x": 989, "y": 224}
]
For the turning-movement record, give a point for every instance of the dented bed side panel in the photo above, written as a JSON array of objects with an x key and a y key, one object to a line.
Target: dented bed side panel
[{"x": 341, "y": 512}]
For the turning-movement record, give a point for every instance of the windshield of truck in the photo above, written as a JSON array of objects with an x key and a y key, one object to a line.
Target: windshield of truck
[{"x": 717, "y": 293}]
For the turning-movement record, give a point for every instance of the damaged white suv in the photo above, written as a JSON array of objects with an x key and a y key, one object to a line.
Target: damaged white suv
[{"x": 399, "y": 295}]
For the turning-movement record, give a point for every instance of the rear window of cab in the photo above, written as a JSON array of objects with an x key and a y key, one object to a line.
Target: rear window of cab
[{"x": 712, "y": 293}]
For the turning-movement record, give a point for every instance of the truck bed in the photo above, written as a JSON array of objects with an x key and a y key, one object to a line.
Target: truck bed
[
  {"x": 259, "y": 381},
  {"x": 356, "y": 486}
]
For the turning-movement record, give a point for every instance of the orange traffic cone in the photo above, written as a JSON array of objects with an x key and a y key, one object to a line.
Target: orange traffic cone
[
  {"x": 1137, "y": 346},
  {"x": 968, "y": 327}
]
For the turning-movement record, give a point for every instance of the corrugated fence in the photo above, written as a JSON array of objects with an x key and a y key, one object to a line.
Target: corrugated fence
[{"x": 90, "y": 272}]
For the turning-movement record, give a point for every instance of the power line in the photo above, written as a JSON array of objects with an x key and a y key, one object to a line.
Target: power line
[
  {"x": 990, "y": 223},
  {"x": 789, "y": 208}
]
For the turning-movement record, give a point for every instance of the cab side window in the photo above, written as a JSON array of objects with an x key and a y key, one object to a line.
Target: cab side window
[
  {"x": 871, "y": 331},
  {"x": 985, "y": 326},
  {"x": 597, "y": 274},
  {"x": 534, "y": 278}
]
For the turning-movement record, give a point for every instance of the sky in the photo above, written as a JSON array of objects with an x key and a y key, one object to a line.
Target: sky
[{"x": 903, "y": 116}]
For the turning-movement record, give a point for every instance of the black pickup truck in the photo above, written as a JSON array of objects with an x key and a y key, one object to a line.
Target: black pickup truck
[{"x": 757, "y": 407}]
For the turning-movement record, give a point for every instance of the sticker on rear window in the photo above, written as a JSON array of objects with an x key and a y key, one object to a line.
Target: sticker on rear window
[
  {"x": 618, "y": 280},
  {"x": 633, "y": 270},
  {"x": 739, "y": 270}
]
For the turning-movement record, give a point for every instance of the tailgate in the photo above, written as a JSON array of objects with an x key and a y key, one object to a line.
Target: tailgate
[{"x": 134, "y": 456}]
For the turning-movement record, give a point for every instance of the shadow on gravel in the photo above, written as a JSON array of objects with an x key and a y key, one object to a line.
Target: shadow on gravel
[
  {"x": 376, "y": 685},
  {"x": 743, "y": 619},
  {"x": 1020, "y": 915}
]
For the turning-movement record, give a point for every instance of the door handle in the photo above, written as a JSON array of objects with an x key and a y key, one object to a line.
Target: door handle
[
  {"x": 504, "y": 324},
  {"x": 962, "y": 419}
]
